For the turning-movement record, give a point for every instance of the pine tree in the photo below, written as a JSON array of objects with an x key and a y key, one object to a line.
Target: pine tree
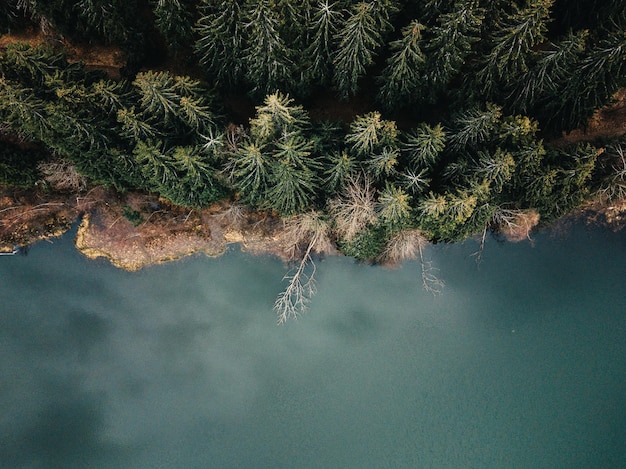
[
  {"x": 276, "y": 117},
  {"x": 475, "y": 126},
  {"x": 173, "y": 20},
  {"x": 325, "y": 23},
  {"x": 340, "y": 168},
  {"x": 595, "y": 80},
  {"x": 370, "y": 133},
  {"x": 496, "y": 168},
  {"x": 23, "y": 112},
  {"x": 401, "y": 77},
  {"x": 113, "y": 19},
  {"x": 555, "y": 65},
  {"x": 394, "y": 206},
  {"x": 267, "y": 59},
  {"x": 451, "y": 43},
  {"x": 423, "y": 146},
  {"x": 512, "y": 45},
  {"x": 156, "y": 165},
  {"x": 134, "y": 127},
  {"x": 159, "y": 96},
  {"x": 358, "y": 41},
  {"x": 220, "y": 41},
  {"x": 250, "y": 172},
  {"x": 173, "y": 102}
]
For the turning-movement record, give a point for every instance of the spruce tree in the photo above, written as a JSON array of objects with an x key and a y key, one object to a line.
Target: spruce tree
[
  {"x": 267, "y": 59},
  {"x": 401, "y": 77},
  {"x": 545, "y": 80},
  {"x": 451, "y": 44},
  {"x": 423, "y": 146},
  {"x": 370, "y": 133},
  {"x": 173, "y": 21},
  {"x": 596, "y": 79},
  {"x": 358, "y": 41},
  {"x": 220, "y": 45},
  {"x": 325, "y": 23},
  {"x": 512, "y": 45},
  {"x": 475, "y": 126}
]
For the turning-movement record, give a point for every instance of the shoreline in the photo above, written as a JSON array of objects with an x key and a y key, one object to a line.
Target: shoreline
[{"x": 133, "y": 230}]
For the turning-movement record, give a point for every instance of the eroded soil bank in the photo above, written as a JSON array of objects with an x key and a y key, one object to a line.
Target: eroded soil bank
[{"x": 134, "y": 230}]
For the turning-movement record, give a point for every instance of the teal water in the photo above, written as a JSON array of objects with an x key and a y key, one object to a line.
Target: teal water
[{"x": 519, "y": 363}]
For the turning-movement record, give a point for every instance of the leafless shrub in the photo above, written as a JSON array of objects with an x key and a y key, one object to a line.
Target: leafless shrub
[
  {"x": 305, "y": 233},
  {"x": 63, "y": 176},
  {"x": 515, "y": 225},
  {"x": 409, "y": 244},
  {"x": 355, "y": 209},
  {"x": 402, "y": 246},
  {"x": 234, "y": 215},
  {"x": 235, "y": 134},
  {"x": 306, "y": 229}
]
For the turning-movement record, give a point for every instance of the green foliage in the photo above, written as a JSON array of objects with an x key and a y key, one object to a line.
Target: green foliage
[
  {"x": 394, "y": 206},
  {"x": 132, "y": 216},
  {"x": 323, "y": 29},
  {"x": 475, "y": 126},
  {"x": 268, "y": 59},
  {"x": 370, "y": 133},
  {"x": 173, "y": 20},
  {"x": 512, "y": 44},
  {"x": 423, "y": 146},
  {"x": 482, "y": 78},
  {"x": 275, "y": 167},
  {"x": 18, "y": 167},
  {"x": 358, "y": 41},
  {"x": 401, "y": 77},
  {"x": 171, "y": 104},
  {"x": 367, "y": 245},
  {"x": 220, "y": 45},
  {"x": 451, "y": 43}
]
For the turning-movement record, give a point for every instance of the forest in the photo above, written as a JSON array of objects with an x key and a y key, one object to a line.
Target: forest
[{"x": 461, "y": 101}]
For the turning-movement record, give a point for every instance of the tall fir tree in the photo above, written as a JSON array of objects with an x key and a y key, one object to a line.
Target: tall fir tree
[
  {"x": 220, "y": 41},
  {"x": 401, "y": 77},
  {"x": 359, "y": 40}
]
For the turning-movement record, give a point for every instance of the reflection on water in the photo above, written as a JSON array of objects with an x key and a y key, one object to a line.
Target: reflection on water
[{"x": 521, "y": 362}]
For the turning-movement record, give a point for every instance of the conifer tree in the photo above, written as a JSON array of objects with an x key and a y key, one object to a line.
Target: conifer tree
[
  {"x": 553, "y": 68},
  {"x": 173, "y": 20},
  {"x": 250, "y": 172},
  {"x": 325, "y": 23},
  {"x": 401, "y": 77},
  {"x": 475, "y": 126},
  {"x": 594, "y": 81},
  {"x": 496, "y": 168},
  {"x": 394, "y": 206},
  {"x": 370, "y": 132},
  {"x": 220, "y": 40},
  {"x": 451, "y": 43},
  {"x": 512, "y": 44},
  {"x": 267, "y": 59},
  {"x": 293, "y": 179},
  {"x": 358, "y": 41},
  {"x": 340, "y": 168},
  {"x": 424, "y": 145}
]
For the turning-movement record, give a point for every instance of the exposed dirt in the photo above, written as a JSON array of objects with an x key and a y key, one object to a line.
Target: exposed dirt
[
  {"x": 29, "y": 216},
  {"x": 108, "y": 59},
  {"x": 605, "y": 123},
  {"x": 159, "y": 232}
]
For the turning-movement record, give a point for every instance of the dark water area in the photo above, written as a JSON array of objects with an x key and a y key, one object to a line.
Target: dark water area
[{"x": 519, "y": 363}]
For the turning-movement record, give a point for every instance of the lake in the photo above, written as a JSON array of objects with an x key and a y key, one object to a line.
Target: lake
[{"x": 520, "y": 362}]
